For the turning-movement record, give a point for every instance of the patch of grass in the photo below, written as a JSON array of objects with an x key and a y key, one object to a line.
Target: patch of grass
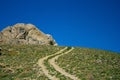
[
  {"x": 91, "y": 64},
  {"x": 20, "y": 61}
]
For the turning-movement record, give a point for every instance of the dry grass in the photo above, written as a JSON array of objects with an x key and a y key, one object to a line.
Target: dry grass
[
  {"x": 19, "y": 62},
  {"x": 91, "y": 64}
]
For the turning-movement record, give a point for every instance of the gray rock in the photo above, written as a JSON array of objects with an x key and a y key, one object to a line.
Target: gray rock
[{"x": 25, "y": 34}]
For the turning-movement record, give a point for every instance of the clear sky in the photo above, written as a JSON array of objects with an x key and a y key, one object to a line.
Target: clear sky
[{"x": 84, "y": 23}]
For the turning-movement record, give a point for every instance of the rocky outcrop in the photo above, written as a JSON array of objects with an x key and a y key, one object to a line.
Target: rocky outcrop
[{"x": 25, "y": 34}]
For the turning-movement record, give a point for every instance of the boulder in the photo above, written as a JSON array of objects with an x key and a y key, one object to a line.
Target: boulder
[{"x": 25, "y": 34}]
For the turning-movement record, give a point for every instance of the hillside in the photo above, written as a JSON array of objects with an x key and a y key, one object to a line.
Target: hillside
[{"x": 35, "y": 62}]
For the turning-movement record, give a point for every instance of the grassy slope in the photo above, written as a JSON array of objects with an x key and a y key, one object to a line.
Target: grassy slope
[
  {"x": 20, "y": 62},
  {"x": 91, "y": 64}
]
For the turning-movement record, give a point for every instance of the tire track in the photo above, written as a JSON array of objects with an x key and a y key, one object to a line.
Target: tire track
[
  {"x": 44, "y": 69},
  {"x": 57, "y": 68}
]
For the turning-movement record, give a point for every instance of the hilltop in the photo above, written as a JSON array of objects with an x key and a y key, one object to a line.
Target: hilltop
[
  {"x": 21, "y": 33},
  {"x": 43, "y": 62},
  {"x": 26, "y": 53}
]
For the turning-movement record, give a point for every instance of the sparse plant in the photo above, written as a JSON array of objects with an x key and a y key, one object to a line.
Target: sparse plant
[{"x": 19, "y": 62}]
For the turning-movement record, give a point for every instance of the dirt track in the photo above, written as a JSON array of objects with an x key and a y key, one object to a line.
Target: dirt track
[{"x": 56, "y": 67}]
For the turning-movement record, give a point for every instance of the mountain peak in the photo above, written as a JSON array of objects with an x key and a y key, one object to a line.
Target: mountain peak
[{"x": 21, "y": 33}]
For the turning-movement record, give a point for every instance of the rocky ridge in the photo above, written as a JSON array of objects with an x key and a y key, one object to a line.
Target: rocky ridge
[{"x": 25, "y": 34}]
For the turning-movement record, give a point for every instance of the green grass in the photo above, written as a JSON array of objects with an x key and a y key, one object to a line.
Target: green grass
[
  {"x": 91, "y": 64},
  {"x": 19, "y": 62}
]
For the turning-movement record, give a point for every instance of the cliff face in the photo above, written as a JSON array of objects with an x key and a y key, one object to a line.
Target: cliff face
[{"x": 25, "y": 34}]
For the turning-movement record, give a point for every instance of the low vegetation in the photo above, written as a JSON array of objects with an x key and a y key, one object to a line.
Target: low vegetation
[
  {"x": 19, "y": 62},
  {"x": 91, "y": 64}
]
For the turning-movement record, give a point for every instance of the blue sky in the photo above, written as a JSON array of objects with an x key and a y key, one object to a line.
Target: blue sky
[{"x": 84, "y": 23}]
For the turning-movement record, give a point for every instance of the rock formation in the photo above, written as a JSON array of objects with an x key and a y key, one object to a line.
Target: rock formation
[{"x": 25, "y": 34}]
